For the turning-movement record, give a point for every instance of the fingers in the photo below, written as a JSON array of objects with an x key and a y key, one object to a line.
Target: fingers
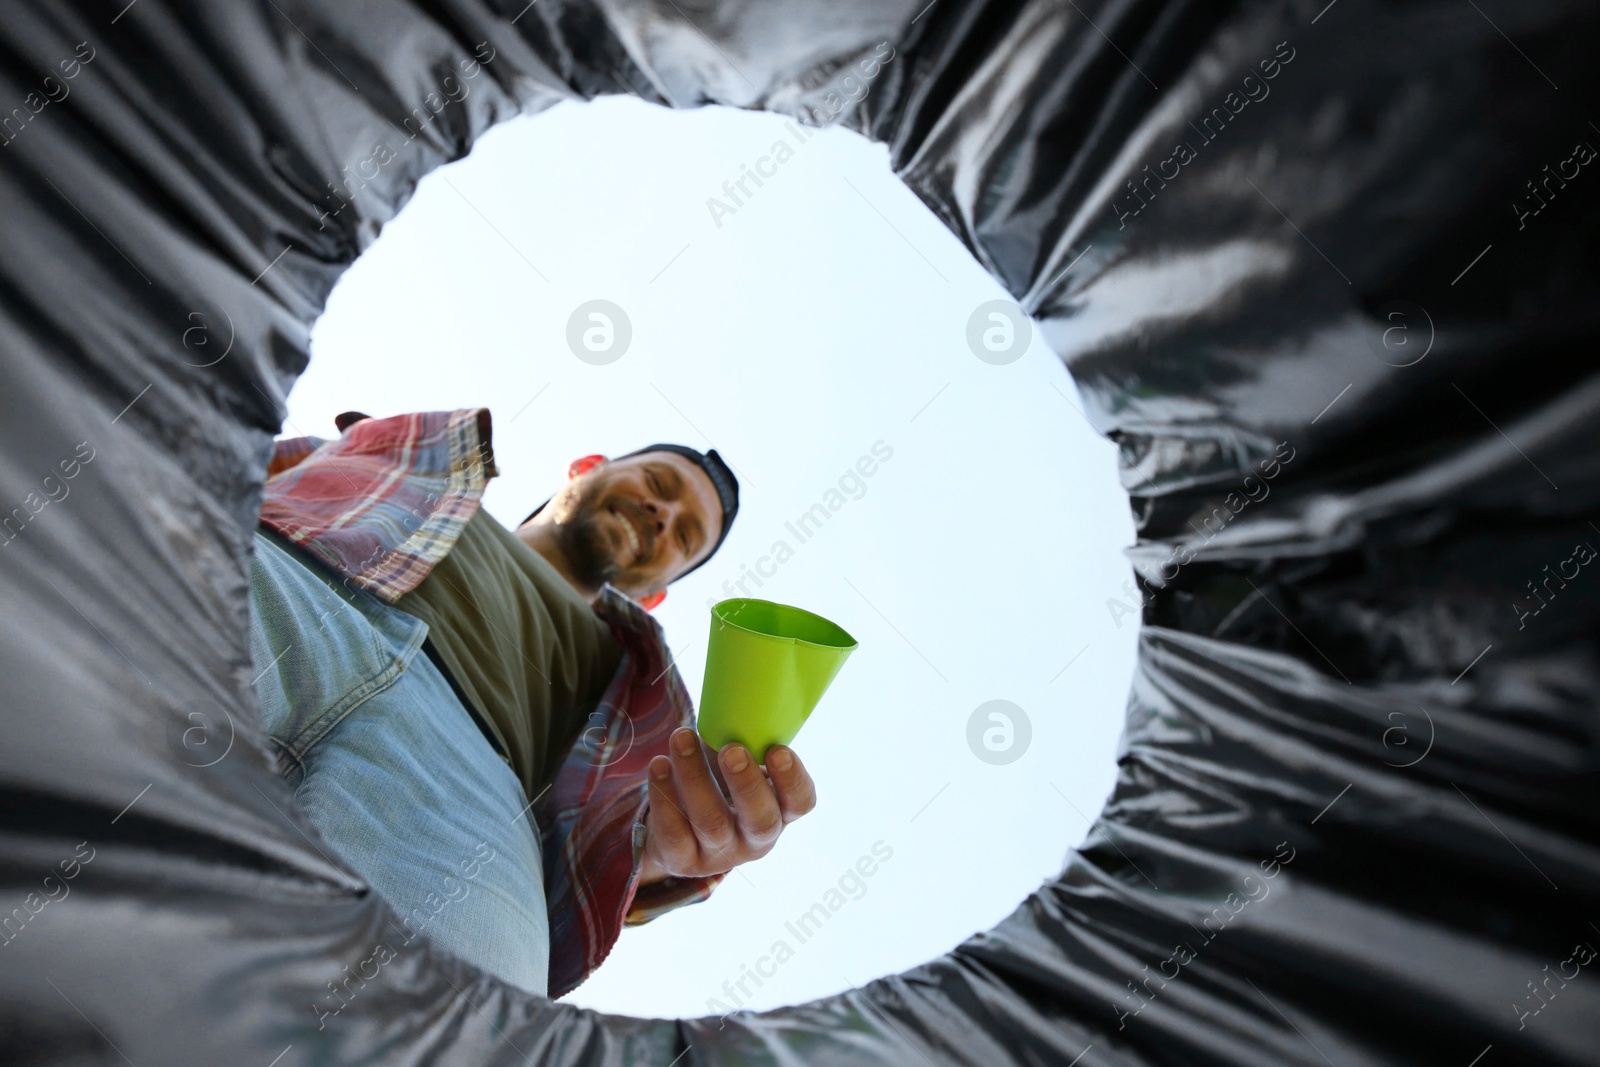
[
  {"x": 701, "y": 797},
  {"x": 693, "y": 829},
  {"x": 797, "y": 793},
  {"x": 670, "y": 834},
  {"x": 671, "y": 847},
  {"x": 754, "y": 803},
  {"x": 715, "y": 764}
]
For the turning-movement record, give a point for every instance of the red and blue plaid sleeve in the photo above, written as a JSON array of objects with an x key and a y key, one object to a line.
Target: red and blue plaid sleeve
[
  {"x": 586, "y": 818},
  {"x": 289, "y": 451},
  {"x": 386, "y": 501}
]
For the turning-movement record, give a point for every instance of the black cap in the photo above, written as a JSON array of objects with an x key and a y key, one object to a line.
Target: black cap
[{"x": 722, "y": 480}]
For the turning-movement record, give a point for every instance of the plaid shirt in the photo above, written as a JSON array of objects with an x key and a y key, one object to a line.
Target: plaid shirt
[{"x": 381, "y": 506}]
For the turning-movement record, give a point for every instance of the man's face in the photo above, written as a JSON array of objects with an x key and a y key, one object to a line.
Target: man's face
[{"x": 637, "y": 522}]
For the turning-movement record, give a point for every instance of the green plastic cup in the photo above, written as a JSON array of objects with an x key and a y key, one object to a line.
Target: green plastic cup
[{"x": 767, "y": 665}]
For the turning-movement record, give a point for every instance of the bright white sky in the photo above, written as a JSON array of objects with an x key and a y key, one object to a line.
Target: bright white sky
[{"x": 827, "y": 313}]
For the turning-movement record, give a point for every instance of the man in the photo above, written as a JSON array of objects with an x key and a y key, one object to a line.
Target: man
[{"x": 482, "y": 722}]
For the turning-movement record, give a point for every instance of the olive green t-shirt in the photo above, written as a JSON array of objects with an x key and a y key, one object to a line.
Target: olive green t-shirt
[{"x": 523, "y": 647}]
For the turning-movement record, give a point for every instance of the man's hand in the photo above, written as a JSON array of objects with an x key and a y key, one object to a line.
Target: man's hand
[{"x": 692, "y": 830}]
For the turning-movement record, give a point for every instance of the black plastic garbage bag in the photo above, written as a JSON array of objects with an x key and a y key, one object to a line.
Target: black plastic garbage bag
[{"x": 1325, "y": 272}]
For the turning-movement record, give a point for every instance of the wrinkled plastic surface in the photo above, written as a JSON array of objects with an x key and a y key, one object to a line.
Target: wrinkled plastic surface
[{"x": 1363, "y": 721}]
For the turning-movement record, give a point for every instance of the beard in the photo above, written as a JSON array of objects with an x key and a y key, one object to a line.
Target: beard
[{"x": 583, "y": 541}]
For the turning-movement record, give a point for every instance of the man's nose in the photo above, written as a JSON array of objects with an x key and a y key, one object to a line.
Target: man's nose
[{"x": 661, "y": 512}]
